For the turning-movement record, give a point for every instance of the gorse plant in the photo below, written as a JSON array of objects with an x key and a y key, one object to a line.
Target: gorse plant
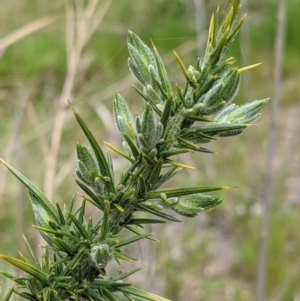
[{"x": 174, "y": 120}]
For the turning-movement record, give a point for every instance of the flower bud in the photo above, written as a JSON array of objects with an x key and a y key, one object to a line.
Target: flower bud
[{"x": 100, "y": 254}]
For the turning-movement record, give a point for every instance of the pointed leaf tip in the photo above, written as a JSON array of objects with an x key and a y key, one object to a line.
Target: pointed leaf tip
[
  {"x": 228, "y": 187},
  {"x": 153, "y": 45},
  {"x": 26, "y": 267},
  {"x": 247, "y": 68}
]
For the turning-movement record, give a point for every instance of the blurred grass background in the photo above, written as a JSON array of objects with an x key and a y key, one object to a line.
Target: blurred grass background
[{"x": 211, "y": 257}]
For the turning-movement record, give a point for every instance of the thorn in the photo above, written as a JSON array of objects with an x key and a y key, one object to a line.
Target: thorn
[
  {"x": 80, "y": 194},
  {"x": 153, "y": 46},
  {"x": 178, "y": 164},
  {"x": 228, "y": 187},
  {"x": 247, "y": 68}
]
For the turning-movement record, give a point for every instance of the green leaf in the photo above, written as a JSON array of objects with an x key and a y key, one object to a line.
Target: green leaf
[
  {"x": 191, "y": 205},
  {"x": 123, "y": 117},
  {"x": 193, "y": 146},
  {"x": 214, "y": 128},
  {"x": 82, "y": 211},
  {"x": 243, "y": 114},
  {"x": 42, "y": 213},
  {"x": 155, "y": 172},
  {"x": 167, "y": 176},
  {"x": 105, "y": 221},
  {"x": 153, "y": 95},
  {"x": 211, "y": 36},
  {"x": 32, "y": 254},
  {"x": 127, "y": 297},
  {"x": 141, "y": 47},
  {"x": 39, "y": 199},
  {"x": 88, "y": 160},
  {"x": 63, "y": 245},
  {"x": 184, "y": 70},
  {"x": 134, "y": 230},
  {"x": 171, "y": 130},
  {"x": 97, "y": 202},
  {"x": 162, "y": 72},
  {"x": 108, "y": 283},
  {"x": 216, "y": 54},
  {"x": 176, "y": 192},
  {"x": 110, "y": 296},
  {"x": 143, "y": 294},
  {"x": 134, "y": 150},
  {"x": 110, "y": 165},
  {"x": 174, "y": 151},
  {"x": 179, "y": 164},
  {"x": 190, "y": 116},
  {"x": 143, "y": 145},
  {"x": 69, "y": 207},
  {"x": 144, "y": 221},
  {"x": 46, "y": 261},
  {"x": 58, "y": 233},
  {"x": 18, "y": 280},
  {"x": 93, "y": 295},
  {"x": 79, "y": 226},
  {"x": 60, "y": 214},
  {"x": 46, "y": 294},
  {"x": 74, "y": 260},
  {"x": 97, "y": 151},
  {"x": 157, "y": 213},
  {"x": 119, "y": 152},
  {"x": 131, "y": 240},
  {"x": 119, "y": 255},
  {"x": 235, "y": 5},
  {"x": 138, "y": 65},
  {"x": 26, "y": 296},
  {"x": 166, "y": 112},
  {"x": 227, "y": 20},
  {"x": 125, "y": 275},
  {"x": 9, "y": 293},
  {"x": 235, "y": 30},
  {"x": 28, "y": 268},
  {"x": 148, "y": 100},
  {"x": 231, "y": 82},
  {"x": 84, "y": 174}
]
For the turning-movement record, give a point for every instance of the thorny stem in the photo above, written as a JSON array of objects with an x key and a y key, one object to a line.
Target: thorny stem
[{"x": 81, "y": 248}]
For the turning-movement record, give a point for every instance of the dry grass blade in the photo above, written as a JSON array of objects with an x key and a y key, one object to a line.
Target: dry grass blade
[
  {"x": 25, "y": 31},
  {"x": 267, "y": 193},
  {"x": 78, "y": 34}
]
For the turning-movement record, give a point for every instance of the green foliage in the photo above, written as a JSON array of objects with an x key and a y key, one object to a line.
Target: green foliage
[{"x": 174, "y": 120}]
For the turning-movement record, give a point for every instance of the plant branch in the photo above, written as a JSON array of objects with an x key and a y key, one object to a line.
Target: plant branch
[
  {"x": 267, "y": 192},
  {"x": 26, "y": 30}
]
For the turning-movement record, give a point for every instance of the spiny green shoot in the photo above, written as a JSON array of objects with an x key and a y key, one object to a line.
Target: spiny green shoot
[{"x": 175, "y": 120}]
